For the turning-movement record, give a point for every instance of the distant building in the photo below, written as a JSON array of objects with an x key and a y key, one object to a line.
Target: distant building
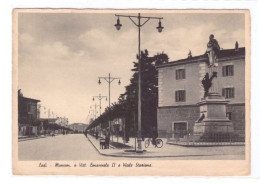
[
  {"x": 27, "y": 115},
  {"x": 45, "y": 125},
  {"x": 62, "y": 121},
  {"x": 180, "y": 89},
  {"x": 78, "y": 127}
]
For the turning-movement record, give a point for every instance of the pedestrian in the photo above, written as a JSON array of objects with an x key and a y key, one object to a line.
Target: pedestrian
[
  {"x": 107, "y": 139},
  {"x": 154, "y": 135}
]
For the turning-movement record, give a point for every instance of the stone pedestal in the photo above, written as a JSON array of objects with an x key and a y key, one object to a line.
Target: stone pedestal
[{"x": 215, "y": 121}]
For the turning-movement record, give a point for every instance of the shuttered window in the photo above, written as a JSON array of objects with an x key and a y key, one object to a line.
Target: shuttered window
[
  {"x": 180, "y": 74},
  {"x": 228, "y": 92},
  {"x": 229, "y": 115},
  {"x": 228, "y": 70},
  {"x": 180, "y": 96}
]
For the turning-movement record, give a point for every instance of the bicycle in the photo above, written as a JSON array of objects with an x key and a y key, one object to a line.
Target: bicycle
[{"x": 158, "y": 143}]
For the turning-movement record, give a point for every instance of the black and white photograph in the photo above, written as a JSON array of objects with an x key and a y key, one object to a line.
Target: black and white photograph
[{"x": 150, "y": 86}]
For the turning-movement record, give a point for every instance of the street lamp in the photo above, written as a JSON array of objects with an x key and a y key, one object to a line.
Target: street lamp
[
  {"x": 118, "y": 25},
  {"x": 100, "y": 98},
  {"x": 160, "y": 27},
  {"x": 95, "y": 107},
  {"x": 109, "y": 80},
  {"x": 93, "y": 114},
  {"x": 139, "y": 25}
]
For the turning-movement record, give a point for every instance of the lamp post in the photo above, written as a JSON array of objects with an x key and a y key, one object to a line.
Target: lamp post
[
  {"x": 99, "y": 97},
  {"x": 139, "y": 25},
  {"x": 93, "y": 114},
  {"x": 109, "y": 80},
  {"x": 95, "y": 109}
]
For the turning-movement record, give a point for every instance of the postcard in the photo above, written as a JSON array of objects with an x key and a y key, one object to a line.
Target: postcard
[{"x": 141, "y": 92}]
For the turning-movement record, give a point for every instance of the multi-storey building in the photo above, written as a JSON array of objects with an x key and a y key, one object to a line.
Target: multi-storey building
[
  {"x": 27, "y": 115},
  {"x": 180, "y": 89}
]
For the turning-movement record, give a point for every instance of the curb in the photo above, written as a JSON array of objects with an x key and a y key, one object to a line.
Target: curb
[
  {"x": 21, "y": 140},
  {"x": 143, "y": 156},
  {"x": 97, "y": 148},
  {"x": 185, "y": 145}
]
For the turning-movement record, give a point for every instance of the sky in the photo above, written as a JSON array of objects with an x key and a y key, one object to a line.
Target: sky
[{"x": 61, "y": 55}]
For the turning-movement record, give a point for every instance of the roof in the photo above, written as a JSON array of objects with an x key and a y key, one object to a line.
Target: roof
[
  {"x": 225, "y": 53},
  {"x": 30, "y": 99},
  {"x": 78, "y": 124},
  {"x": 49, "y": 119}
]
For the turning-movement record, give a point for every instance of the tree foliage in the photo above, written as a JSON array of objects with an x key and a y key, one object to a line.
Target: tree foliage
[{"x": 127, "y": 104}]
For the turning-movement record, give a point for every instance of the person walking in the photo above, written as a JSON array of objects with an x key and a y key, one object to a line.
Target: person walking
[
  {"x": 154, "y": 135},
  {"x": 107, "y": 140}
]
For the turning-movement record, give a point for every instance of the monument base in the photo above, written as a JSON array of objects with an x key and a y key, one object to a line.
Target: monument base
[{"x": 215, "y": 122}]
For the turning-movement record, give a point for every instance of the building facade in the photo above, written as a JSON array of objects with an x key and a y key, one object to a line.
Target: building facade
[
  {"x": 180, "y": 90},
  {"x": 78, "y": 127},
  {"x": 62, "y": 121},
  {"x": 27, "y": 116}
]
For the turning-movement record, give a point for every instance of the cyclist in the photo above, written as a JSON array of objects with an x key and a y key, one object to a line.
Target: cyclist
[{"x": 154, "y": 136}]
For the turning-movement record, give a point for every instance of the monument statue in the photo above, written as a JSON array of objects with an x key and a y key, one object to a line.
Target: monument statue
[
  {"x": 213, "y": 119},
  {"x": 212, "y": 50},
  {"x": 207, "y": 82},
  {"x": 201, "y": 118}
]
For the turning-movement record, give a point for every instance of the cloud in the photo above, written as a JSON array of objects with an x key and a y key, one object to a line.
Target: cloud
[
  {"x": 60, "y": 60},
  {"x": 177, "y": 42},
  {"x": 26, "y": 38},
  {"x": 102, "y": 44},
  {"x": 63, "y": 78}
]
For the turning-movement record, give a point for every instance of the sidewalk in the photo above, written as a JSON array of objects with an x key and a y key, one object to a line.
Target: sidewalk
[
  {"x": 168, "y": 150},
  {"x": 25, "y": 138},
  {"x": 204, "y": 144}
]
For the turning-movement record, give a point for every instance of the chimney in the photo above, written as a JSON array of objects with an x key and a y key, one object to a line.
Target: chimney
[
  {"x": 236, "y": 46},
  {"x": 189, "y": 54}
]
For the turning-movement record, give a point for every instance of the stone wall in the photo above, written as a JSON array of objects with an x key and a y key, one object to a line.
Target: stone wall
[
  {"x": 167, "y": 115},
  {"x": 237, "y": 116}
]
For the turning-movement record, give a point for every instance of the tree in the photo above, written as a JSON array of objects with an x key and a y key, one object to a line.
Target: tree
[
  {"x": 127, "y": 102},
  {"x": 149, "y": 92}
]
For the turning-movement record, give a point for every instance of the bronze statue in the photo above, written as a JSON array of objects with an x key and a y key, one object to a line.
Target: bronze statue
[
  {"x": 207, "y": 82},
  {"x": 201, "y": 118},
  {"x": 212, "y": 50}
]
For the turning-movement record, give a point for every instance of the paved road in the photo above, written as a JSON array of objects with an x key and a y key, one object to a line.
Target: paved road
[
  {"x": 78, "y": 147},
  {"x": 61, "y": 147}
]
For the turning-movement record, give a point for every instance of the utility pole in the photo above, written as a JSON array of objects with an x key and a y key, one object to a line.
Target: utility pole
[
  {"x": 139, "y": 25},
  {"x": 95, "y": 110},
  {"x": 109, "y": 80},
  {"x": 99, "y": 97}
]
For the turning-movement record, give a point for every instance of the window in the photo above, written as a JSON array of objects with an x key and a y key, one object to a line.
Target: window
[
  {"x": 29, "y": 117},
  {"x": 229, "y": 115},
  {"x": 228, "y": 70},
  {"x": 179, "y": 129},
  {"x": 180, "y": 74},
  {"x": 228, "y": 92},
  {"x": 180, "y": 96},
  {"x": 29, "y": 108}
]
